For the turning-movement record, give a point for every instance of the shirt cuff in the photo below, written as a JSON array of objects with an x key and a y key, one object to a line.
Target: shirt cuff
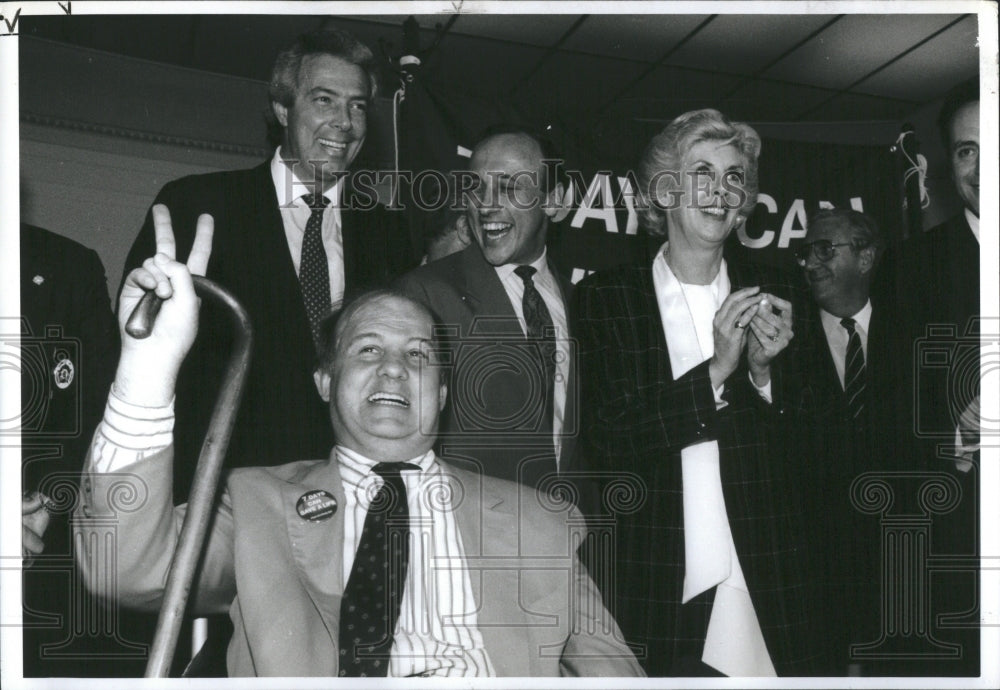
[
  {"x": 763, "y": 391},
  {"x": 128, "y": 433}
]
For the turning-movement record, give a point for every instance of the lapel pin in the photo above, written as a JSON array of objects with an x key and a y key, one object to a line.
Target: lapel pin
[
  {"x": 63, "y": 373},
  {"x": 316, "y": 505}
]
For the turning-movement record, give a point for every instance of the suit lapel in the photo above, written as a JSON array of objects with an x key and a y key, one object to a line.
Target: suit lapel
[
  {"x": 483, "y": 292},
  {"x": 318, "y": 547},
  {"x": 262, "y": 234}
]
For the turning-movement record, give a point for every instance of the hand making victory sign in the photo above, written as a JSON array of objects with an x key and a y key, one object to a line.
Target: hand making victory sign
[{"x": 147, "y": 370}]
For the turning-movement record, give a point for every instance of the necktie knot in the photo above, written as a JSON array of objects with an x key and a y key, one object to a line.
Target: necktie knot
[
  {"x": 315, "y": 201},
  {"x": 525, "y": 273},
  {"x": 848, "y": 325},
  {"x": 391, "y": 496}
]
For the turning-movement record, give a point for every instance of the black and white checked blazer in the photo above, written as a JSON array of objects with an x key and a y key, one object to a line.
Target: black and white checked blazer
[{"x": 635, "y": 421}]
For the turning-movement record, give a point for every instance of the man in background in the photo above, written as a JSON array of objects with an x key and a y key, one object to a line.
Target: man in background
[
  {"x": 69, "y": 344},
  {"x": 855, "y": 400}
]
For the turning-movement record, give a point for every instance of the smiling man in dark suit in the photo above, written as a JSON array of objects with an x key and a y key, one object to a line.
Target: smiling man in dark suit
[
  {"x": 286, "y": 252},
  {"x": 512, "y": 412}
]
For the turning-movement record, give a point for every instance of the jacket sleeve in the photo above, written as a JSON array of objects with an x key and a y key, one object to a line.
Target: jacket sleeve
[
  {"x": 628, "y": 407},
  {"x": 127, "y": 529}
]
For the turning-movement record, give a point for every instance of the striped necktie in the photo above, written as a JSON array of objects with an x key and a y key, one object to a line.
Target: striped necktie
[
  {"x": 541, "y": 330},
  {"x": 854, "y": 371}
]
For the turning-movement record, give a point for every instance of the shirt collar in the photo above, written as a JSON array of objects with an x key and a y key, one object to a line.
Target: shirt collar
[
  {"x": 363, "y": 465},
  {"x": 541, "y": 266},
  {"x": 720, "y": 284},
  {"x": 973, "y": 221},
  {"x": 279, "y": 176},
  {"x": 863, "y": 318}
]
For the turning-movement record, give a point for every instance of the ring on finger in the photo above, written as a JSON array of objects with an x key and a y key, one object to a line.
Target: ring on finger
[
  {"x": 737, "y": 324},
  {"x": 773, "y": 338}
]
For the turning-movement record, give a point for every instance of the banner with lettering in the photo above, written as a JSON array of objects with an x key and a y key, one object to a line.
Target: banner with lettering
[{"x": 601, "y": 228}]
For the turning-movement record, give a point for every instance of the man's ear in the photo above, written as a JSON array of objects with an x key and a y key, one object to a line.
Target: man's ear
[
  {"x": 280, "y": 112},
  {"x": 322, "y": 381},
  {"x": 866, "y": 259},
  {"x": 558, "y": 202},
  {"x": 442, "y": 397}
]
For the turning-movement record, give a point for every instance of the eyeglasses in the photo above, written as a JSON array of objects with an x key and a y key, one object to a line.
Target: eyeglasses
[{"x": 823, "y": 249}]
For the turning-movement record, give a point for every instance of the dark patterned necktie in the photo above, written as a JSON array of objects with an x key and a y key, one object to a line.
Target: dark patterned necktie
[
  {"x": 538, "y": 323},
  {"x": 314, "y": 271},
  {"x": 369, "y": 608},
  {"x": 854, "y": 371}
]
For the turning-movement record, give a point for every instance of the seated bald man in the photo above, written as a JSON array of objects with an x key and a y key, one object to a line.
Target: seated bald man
[{"x": 377, "y": 560}]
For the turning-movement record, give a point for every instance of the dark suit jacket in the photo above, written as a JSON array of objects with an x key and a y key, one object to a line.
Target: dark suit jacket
[
  {"x": 66, "y": 317},
  {"x": 495, "y": 417},
  {"x": 636, "y": 419},
  {"x": 280, "y": 577},
  {"x": 938, "y": 288},
  {"x": 835, "y": 449},
  {"x": 282, "y": 417}
]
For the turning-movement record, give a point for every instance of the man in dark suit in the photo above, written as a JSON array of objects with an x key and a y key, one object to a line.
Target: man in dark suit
[
  {"x": 940, "y": 274},
  {"x": 512, "y": 411},
  {"x": 855, "y": 400},
  {"x": 69, "y": 344},
  {"x": 942, "y": 267},
  {"x": 286, "y": 253}
]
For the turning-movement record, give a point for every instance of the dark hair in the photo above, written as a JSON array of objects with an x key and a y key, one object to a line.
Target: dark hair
[
  {"x": 554, "y": 164},
  {"x": 333, "y": 325},
  {"x": 865, "y": 231},
  {"x": 326, "y": 41},
  {"x": 667, "y": 149},
  {"x": 963, "y": 94}
]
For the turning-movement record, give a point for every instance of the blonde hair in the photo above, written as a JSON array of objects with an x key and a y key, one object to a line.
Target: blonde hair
[{"x": 667, "y": 149}]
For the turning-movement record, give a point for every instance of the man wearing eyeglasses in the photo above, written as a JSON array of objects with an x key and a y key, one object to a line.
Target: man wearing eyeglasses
[{"x": 852, "y": 383}]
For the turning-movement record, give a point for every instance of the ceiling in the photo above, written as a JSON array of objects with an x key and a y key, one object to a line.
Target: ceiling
[{"x": 591, "y": 70}]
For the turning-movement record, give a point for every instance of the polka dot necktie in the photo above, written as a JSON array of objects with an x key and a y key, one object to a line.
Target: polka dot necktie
[
  {"x": 854, "y": 371},
  {"x": 314, "y": 272},
  {"x": 369, "y": 608}
]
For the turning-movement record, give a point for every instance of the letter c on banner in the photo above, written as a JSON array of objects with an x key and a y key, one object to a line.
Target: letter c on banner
[{"x": 767, "y": 236}]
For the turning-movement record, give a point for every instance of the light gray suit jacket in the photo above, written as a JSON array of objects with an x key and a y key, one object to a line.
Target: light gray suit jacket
[{"x": 280, "y": 577}]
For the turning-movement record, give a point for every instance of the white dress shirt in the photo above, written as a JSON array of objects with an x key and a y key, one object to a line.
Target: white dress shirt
[
  {"x": 837, "y": 336},
  {"x": 547, "y": 286},
  {"x": 973, "y": 221},
  {"x": 295, "y": 214},
  {"x": 437, "y": 633}
]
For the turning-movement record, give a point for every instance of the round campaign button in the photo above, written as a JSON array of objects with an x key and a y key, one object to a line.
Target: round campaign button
[{"x": 316, "y": 505}]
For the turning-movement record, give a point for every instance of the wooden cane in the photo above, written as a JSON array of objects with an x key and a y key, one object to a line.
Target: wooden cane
[{"x": 206, "y": 478}]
